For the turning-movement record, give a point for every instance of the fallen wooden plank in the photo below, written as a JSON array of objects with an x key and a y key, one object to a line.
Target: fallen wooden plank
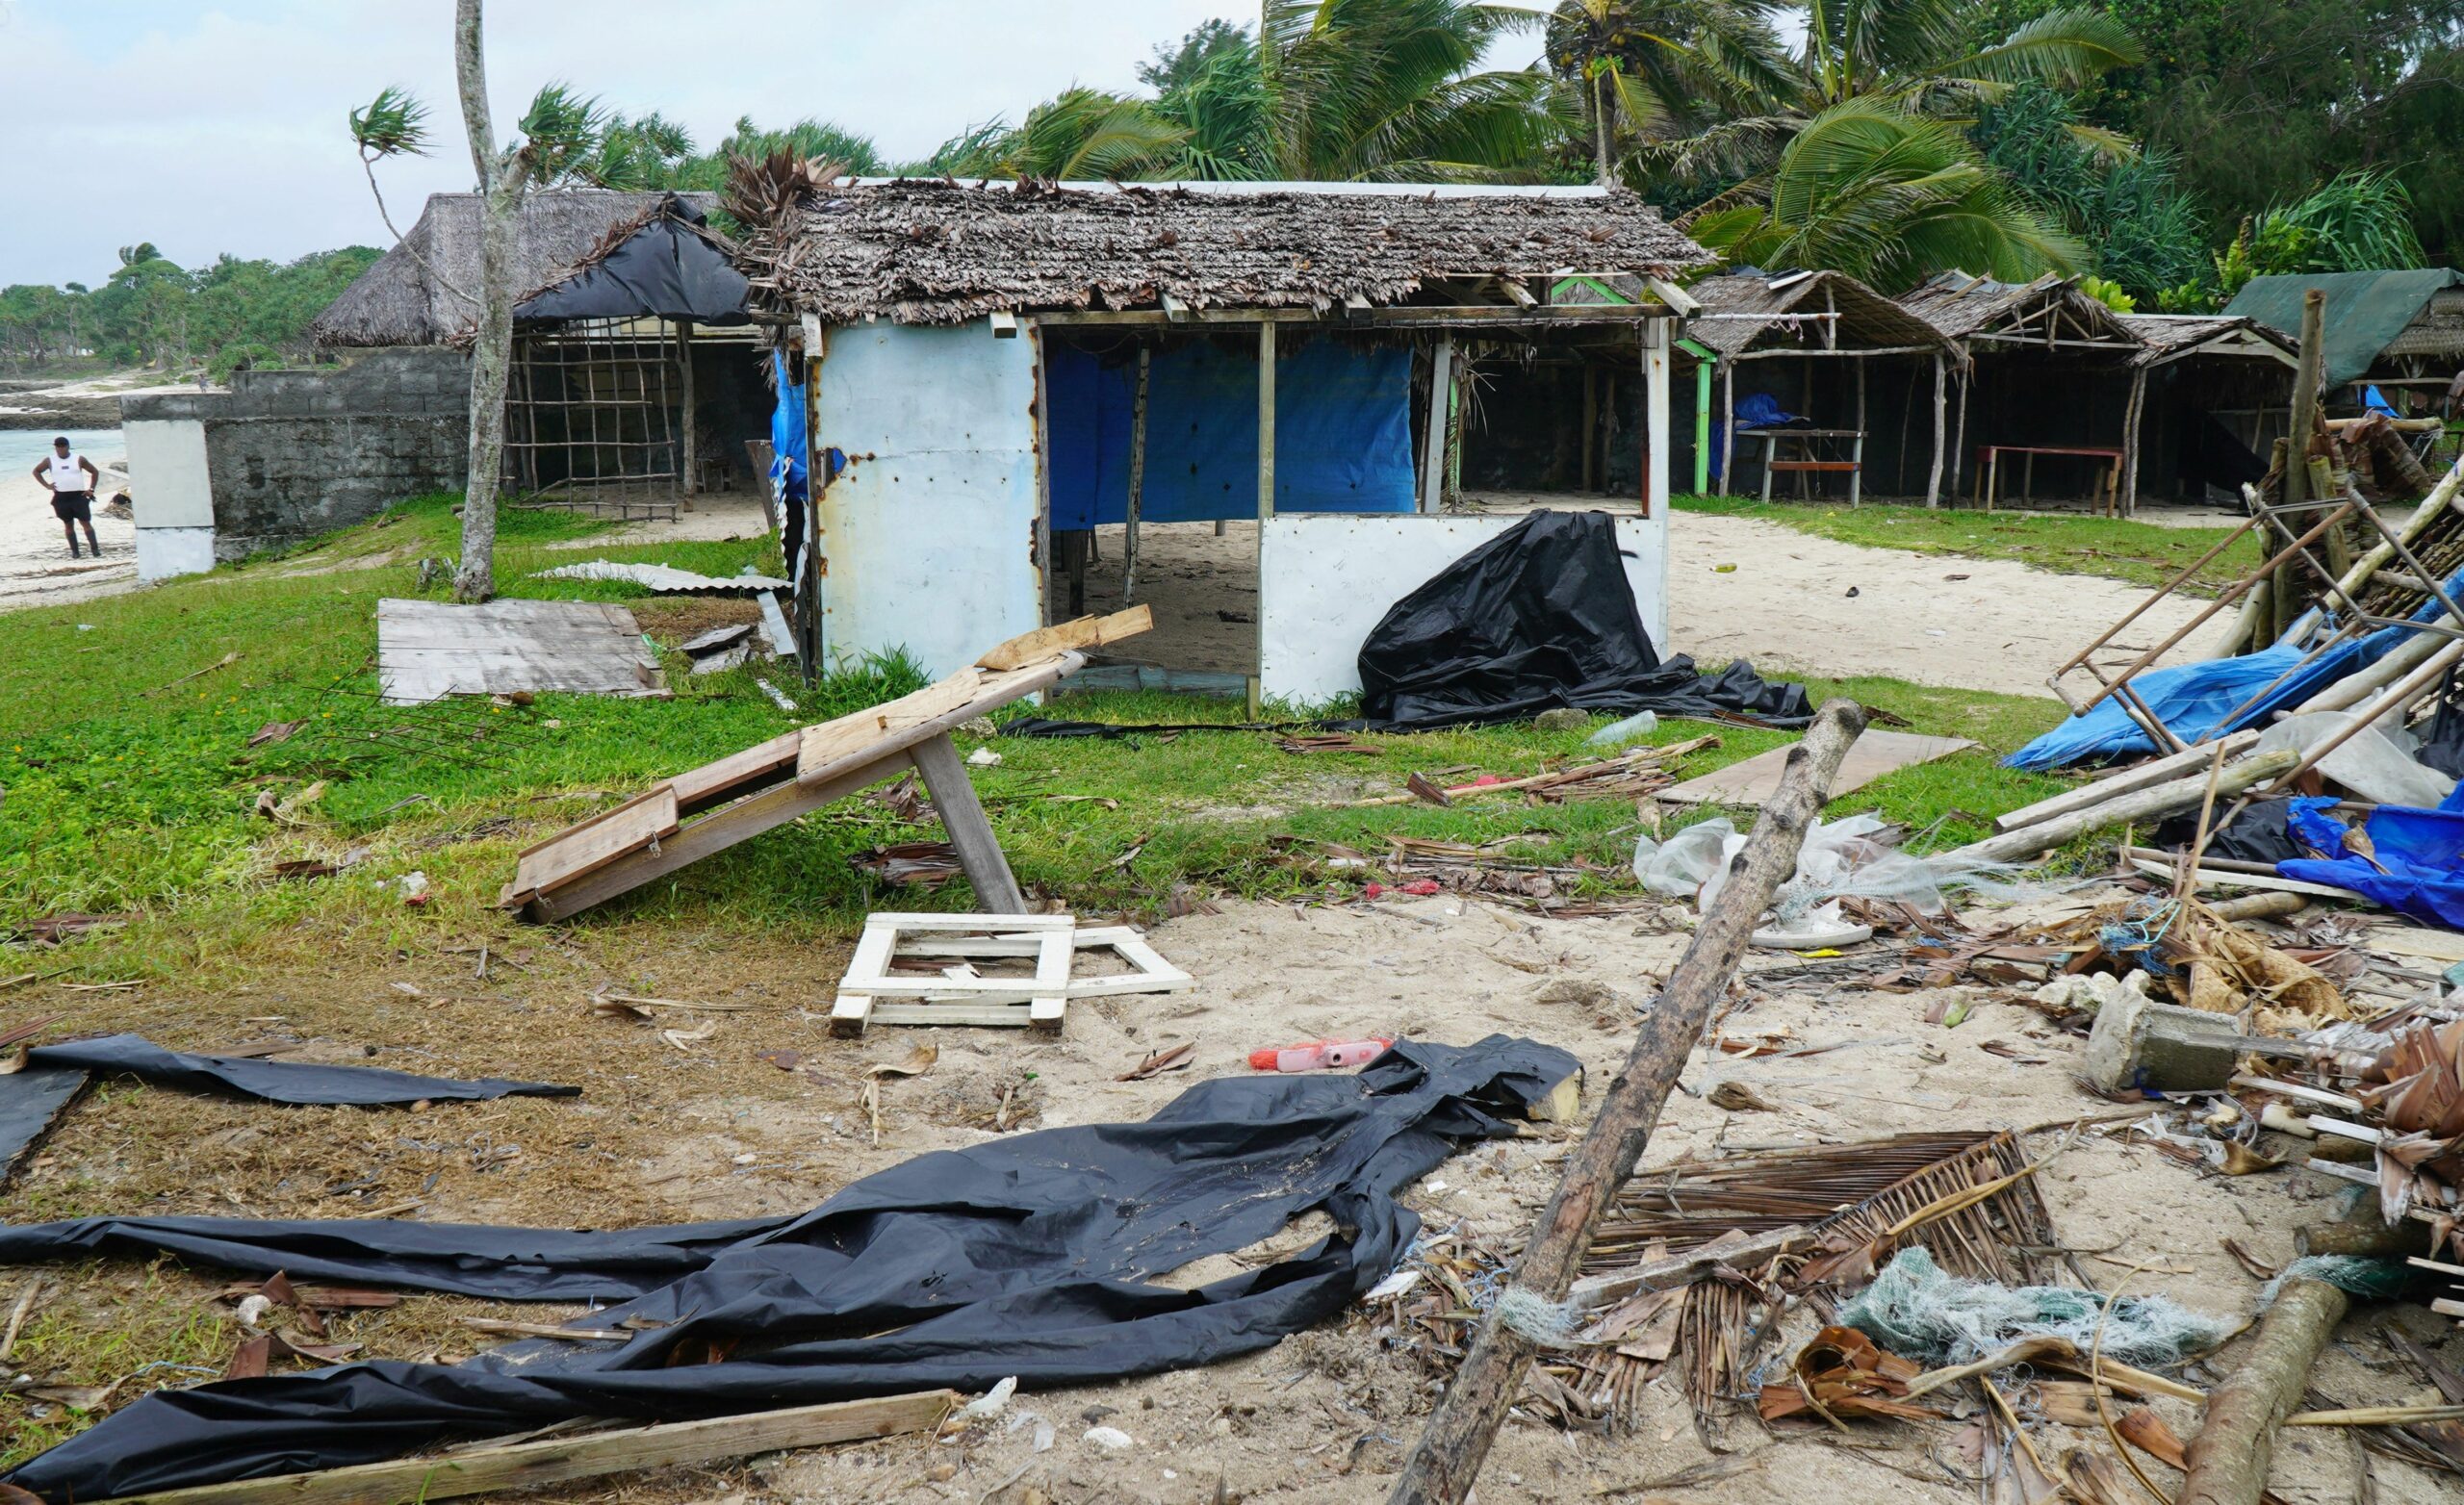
[
  {"x": 1753, "y": 780},
  {"x": 1029, "y": 648},
  {"x": 1738, "y": 1254},
  {"x": 556, "y": 1460},
  {"x": 592, "y": 844},
  {"x": 2210, "y": 878},
  {"x": 429, "y": 650}
]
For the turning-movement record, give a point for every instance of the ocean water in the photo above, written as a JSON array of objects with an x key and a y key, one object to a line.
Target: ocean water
[{"x": 21, "y": 448}]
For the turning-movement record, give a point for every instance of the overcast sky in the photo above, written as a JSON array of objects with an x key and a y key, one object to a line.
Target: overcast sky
[{"x": 211, "y": 127}]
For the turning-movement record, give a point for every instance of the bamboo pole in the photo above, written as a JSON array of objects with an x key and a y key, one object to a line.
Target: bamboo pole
[
  {"x": 1448, "y": 1457},
  {"x": 2160, "y": 800}
]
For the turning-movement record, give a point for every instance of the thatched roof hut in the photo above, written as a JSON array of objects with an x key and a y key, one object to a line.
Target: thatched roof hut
[
  {"x": 419, "y": 292},
  {"x": 942, "y": 253},
  {"x": 2166, "y": 337},
  {"x": 2050, "y": 309},
  {"x": 1746, "y": 310}
]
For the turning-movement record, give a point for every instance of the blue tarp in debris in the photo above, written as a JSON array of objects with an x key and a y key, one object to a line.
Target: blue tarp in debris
[
  {"x": 2416, "y": 862},
  {"x": 2194, "y": 700},
  {"x": 1758, "y": 410},
  {"x": 1343, "y": 433}
]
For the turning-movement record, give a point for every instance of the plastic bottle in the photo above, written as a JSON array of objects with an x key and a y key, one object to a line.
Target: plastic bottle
[
  {"x": 1619, "y": 733},
  {"x": 1320, "y": 1055}
]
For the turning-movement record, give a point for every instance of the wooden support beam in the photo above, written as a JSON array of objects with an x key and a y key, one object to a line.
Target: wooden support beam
[
  {"x": 1933, "y": 475},
  {"x": 1033, "y": 647},
  {"x": 1433, "y": 447},
  {"x": 987, "y": 871},
  {"x": 691, "y": 457},
  {"x": 1655, "y": 390},
  {"x": 1137, "y": 480},
  {"x": 1447, "y": 1456},
  {"x": 515, "y": 1466}
]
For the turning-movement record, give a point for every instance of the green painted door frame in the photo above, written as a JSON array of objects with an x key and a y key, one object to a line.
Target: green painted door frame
[{"x": 1703, "y": 362}]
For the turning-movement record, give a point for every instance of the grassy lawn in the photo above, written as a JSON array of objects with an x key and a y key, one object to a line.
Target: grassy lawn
[
  {"x": 2142, "y": 553},
  {"x": 135, "y": 789}
]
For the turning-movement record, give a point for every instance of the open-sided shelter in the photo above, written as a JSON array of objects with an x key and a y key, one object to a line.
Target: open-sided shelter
[
  {"x": 1870, "y": 376},
  {"x": 2402, "y": 331},
  {"x": 979, "y": 372},
  {"x": 2219, "y": 392}
]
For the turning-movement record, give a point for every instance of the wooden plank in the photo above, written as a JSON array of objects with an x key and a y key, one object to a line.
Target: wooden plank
[
  {"x": 556, "y": 1460},
  {"x": 2210, "y": 878},
  {"x": 725, "y": 779},
  {"x": 592, "y": 844},
  {"x": 929, "y": 712},
  {"x": 873, "y": 951},
  {"x": 987, "y": 870},
  {"x": 1052, "y": 972},
  {"x": 715, "y": 831},
  {"x": 1753, "y": 780},
  {"x": 427, "y": 649},
  {"x": 975, "y": 924},
  {"x": 1033, "y": 647}
]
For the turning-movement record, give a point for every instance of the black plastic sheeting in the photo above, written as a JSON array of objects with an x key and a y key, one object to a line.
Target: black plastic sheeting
[
  {"x": 1539, "y": 617},
  {"x": 2257, "y": 834},
  {"x": 296, "y": 1082},
  {"x": 662, "y": 268},
  {"x": 31, "y": 1097},
  {"x": 1028, "y": 1256}
]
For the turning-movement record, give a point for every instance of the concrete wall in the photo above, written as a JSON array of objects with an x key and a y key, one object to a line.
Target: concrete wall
[{"x": 288, "y": 455}]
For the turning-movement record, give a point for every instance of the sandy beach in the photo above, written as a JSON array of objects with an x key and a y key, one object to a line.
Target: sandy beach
[{"x": 34, "y": 567}]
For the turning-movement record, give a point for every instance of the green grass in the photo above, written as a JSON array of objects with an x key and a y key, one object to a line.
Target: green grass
[
  {"x": 134, "y": 790},
  {"x": 2142, "y": 553}
]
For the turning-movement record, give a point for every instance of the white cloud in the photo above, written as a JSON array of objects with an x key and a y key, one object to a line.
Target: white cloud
[{"x": 208, "y": 128}]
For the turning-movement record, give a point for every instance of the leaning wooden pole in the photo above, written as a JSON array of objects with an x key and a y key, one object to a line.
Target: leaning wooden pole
[
  {"x": 1448, "y": 1457},
  {"x": 2227, "y": 1460}
]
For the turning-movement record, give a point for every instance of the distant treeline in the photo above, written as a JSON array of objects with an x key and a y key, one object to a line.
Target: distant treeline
[{"x": 153, "y": 311}]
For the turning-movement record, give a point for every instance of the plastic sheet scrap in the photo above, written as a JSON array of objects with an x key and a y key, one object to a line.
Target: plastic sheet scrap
[
  {"x": 2411, "y": 860},
  {"x": 1538, "y": 616},
  {"x": 1839, "y": 859},
  {"x": 1915, "y": 1308},
  {"x": 2373, "y": 763},
  {"x": 1031, "y": 1256},
  {"x": 2198, "y": 701},
  {"x": 275, "y": 1081}
]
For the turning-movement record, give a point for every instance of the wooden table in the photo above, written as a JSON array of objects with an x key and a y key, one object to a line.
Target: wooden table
[
  {"x": 1989, "y": 464},
  {"x": 1853, "y": 467}
]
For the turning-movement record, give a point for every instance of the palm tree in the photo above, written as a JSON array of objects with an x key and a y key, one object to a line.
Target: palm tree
[
  {"x": 1080, "y": 134},
  {"x": 1914, "y": 56},
  {"x": 1888, "y": 197},
  {"x": 1390, "y": 90},
  {"x": 1656, "y": 67}
]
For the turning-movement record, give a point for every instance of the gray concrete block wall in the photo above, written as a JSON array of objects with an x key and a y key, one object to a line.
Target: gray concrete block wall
[{"x": 293, "y": 455}]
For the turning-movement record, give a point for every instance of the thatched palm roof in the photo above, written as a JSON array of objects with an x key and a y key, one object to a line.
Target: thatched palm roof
[
  {"x": 2169, "y": 335},
  {"x": 419, "y": 292},
  {"x": 1768, "y": 311},
  {"x": 1964, "y": 306},
  {"x": 942, "y": 253}
]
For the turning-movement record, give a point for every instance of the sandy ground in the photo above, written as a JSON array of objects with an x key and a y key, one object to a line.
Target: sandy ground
[
  {"x": 34, "y": 567},
  {"x": 1738, "y": 588},
  {"x": 707, "y": 1131},
  {"x": 1742, "y": 588}
]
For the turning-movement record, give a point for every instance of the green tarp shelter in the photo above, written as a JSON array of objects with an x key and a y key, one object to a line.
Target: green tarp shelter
[{"x": 2365, "y": 309}]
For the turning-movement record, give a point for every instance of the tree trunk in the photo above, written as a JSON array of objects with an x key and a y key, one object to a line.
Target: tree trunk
[
  {"x": 1603, "y": 132},
  {"x": 1448, "y": 1457},
  {"x": 2227, "y": 1460},
  {"x": 492, "y": 353}
]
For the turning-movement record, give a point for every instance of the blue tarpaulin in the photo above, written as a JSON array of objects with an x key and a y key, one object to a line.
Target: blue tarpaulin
[
  {"x": 1343, "y": 433},
  {"x": 2195, "y": 700},
  {"x": 2414, "y": 864}
]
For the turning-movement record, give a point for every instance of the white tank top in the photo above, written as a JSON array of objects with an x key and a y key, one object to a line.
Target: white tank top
[{"x": 67, "y": 474}]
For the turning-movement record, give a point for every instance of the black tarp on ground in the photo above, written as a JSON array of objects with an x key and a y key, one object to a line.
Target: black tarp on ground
[
  {"x": 1028, "y": 1256},
  {"x": 664, "y": 269},
  {"x": 1541, "y": 616},
  {"x": 2257, "y": 834},
  {"x": 30, "y": 1099}
]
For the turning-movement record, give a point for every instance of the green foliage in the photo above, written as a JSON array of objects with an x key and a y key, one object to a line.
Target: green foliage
[
  {"x": 1083, "y": 134},
  {"x": 2110, "y": 294},
  {"x": 394, "y": 124},
  {"x": 2142, "y": 229},
  {"x": 151, "y": 310},
  {"x": 1890, "y": 198},
  {"x": 2359, "y": 221},
  {"x": 1178, "y": 65}
]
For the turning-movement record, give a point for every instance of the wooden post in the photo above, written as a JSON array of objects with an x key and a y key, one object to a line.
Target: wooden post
[
  {"x": 1933, "y": 475},
  {"x": 1448, "y": 1457},
  {"x": 1266, "y": 492},
  {"x": 1655, "y": 386},
  {"x": 2132, "y": 416},
  {"x": 691, "y": 443},
  {"x": 1441, "y": 420},
  {"x": 1137, "y": 483},
  {"x": 1959, "y": 431},
  {"x": 987, "y": 871},
  {"x": 2305, "y": 396},
  {"x": 1590, "y": 425},
  {"x": 1856, "y": 452},
  {"x": 1728, "y": 424}
]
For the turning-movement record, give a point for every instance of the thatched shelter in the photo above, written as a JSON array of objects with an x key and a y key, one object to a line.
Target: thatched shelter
[
  {"x": 419, "y": 292},
  {"x": 1819, "y": 327},
  {"x": 2219, "y": 392},
  {"x": 2396, "y": 329},
  {"x": 990, "y": 359}
]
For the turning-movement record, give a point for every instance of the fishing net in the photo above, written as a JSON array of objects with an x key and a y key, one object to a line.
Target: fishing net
[{"x": 1918, "y": 1311}]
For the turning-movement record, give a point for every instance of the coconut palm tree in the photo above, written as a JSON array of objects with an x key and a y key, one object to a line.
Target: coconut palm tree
[
  {"x": 1652, "y": 69},
  {"x": 1889, "y": 197},
  {"x": 1392, "y": 91}
]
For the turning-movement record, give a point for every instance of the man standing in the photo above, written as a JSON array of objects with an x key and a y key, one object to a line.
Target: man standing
[{"x": 71, "y": 477}]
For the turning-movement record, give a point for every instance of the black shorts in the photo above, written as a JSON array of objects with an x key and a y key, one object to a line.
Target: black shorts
[{"x": 74, "y": 506}]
